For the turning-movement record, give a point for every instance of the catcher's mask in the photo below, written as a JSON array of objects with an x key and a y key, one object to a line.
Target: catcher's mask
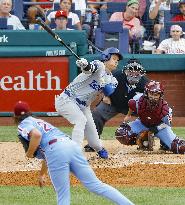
[
  {"x": 134, "y": 71},
  {"x": 154, "y": 91}
]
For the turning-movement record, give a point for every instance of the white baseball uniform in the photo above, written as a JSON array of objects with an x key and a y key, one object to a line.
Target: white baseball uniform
[{"x": 74, "y": 102}]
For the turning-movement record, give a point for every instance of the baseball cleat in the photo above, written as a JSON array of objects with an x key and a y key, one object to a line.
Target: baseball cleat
[{"x": 103, "y": 153}]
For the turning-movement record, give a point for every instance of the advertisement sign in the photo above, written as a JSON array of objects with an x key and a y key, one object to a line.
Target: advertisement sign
[{"x": 35, "y": 80}]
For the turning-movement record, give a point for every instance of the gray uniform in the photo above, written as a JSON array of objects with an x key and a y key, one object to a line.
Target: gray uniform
[{"x": 74, "y": 102}]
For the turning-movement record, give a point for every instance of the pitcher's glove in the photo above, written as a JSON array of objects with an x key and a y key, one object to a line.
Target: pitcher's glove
[
  {"x": 145, "y": 140},
  {"x": 25, "y": 144}
]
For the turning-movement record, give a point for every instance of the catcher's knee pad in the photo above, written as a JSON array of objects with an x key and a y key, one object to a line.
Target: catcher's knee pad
[
  {"x": 178, "y": 146},
  {"x": 124, "y": 135}
]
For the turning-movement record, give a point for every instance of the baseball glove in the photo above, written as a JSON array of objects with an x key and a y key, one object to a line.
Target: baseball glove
[
  {"x": 145, "y": 141},
  {"x": 25, "y": 144}
]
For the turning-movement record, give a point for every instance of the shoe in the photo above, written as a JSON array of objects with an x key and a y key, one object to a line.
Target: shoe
[
  {"x": 87, "y": 148},
  {"x": 103, "y": 153}
]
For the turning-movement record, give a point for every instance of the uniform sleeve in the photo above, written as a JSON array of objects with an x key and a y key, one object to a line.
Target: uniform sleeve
[
  {"x": 75, "y": 19},
  {"x": 132, "y": 105},
  {"x": 24, "y": 129},
  {"x": 163, "y": 45},
  {"x": 168, "y": 118},
  {"x": 18, "y": 25}
]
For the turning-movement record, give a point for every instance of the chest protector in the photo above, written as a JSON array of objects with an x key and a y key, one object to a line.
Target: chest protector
[{"x": 152, "y": 116}]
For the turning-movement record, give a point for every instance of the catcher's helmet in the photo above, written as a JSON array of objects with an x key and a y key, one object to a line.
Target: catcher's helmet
[
  {"x": 106, "y": 54},
  {"x": 154, "y": 87},
  {"x": 150, "y": 91}
]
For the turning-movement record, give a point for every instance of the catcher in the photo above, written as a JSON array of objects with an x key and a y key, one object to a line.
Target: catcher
[{"x": 154, "y": 118}]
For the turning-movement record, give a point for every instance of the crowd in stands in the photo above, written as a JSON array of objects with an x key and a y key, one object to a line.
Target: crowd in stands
[{"x": 144, "y": 19}]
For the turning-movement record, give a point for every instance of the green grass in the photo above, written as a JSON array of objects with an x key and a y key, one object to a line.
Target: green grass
[
  {"x": 9, "y": 133},
  {"x": 27, "y": 195}
]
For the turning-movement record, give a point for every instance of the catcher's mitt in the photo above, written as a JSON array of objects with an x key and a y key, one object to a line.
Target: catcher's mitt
[
  {"x": 25, "y": 144},
  {"x": 145, "y": 141}
]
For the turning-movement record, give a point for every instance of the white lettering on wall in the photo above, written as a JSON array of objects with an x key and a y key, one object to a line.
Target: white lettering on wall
[{"x": 31, "y": 82}]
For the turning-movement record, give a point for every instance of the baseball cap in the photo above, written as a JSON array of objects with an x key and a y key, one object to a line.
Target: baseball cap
[
  {"x": 181, "y": 2},
  {"x": 130, "y": 2},
  {"x": 175, "y": 28},
  {"x": 21, "y": 108},
  {"x": 61, "y": 13}
]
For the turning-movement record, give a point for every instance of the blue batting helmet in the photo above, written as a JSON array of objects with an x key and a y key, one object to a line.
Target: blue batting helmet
[{"x": 106, "y": 54}]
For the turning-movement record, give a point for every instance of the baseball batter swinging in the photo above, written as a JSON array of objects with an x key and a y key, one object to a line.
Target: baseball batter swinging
[{"x": 74, "y": 102}]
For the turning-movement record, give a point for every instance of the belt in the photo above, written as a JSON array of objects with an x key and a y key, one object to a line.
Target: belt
[
  {"x": 57, "y": 140},
  {"x": 80, "y": 102},
  {"x": 52, "y": 141}
]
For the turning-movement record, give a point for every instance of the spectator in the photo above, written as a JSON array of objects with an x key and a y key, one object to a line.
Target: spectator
[
  {"x": 156, "y": 13},
  {"x": 61, "y": 20},
  {"x": 66, "y": 6},
  {"x": 79, "y": 5},
  {"x": 129, "y": 19},
  {"x": 5, "y": 8},
  {"x": 38, "y": 10},
  {"x": 180, "y": 17},
  {"x": 142, "y": 6},
  {"x": 173, "y": 45}
]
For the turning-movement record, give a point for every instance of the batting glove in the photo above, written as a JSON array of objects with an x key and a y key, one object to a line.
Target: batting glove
[{"x": 82, "y": 63}]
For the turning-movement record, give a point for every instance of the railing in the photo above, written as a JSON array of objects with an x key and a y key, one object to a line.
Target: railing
[{"x": 51, "y": 3}]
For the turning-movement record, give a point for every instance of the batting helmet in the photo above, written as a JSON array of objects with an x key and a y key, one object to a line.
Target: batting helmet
[{"x": 106, "y": 54}]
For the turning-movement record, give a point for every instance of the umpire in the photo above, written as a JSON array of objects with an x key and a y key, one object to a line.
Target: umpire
[{"x": 131, "y": 80}]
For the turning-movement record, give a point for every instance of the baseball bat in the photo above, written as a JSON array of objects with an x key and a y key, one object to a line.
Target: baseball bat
[
  {"x": 55, "y": 36},
  {"x": 96, "y": 48}
]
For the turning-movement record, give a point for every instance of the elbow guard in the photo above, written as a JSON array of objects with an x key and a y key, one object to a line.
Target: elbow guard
[{"x": 108, "y": 89}]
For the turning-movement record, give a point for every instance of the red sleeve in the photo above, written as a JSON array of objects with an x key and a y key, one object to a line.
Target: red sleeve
[{"x": 132, "y": 105}]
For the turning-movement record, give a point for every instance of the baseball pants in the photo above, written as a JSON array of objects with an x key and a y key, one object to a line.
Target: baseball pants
[
  {"x": 81, "y": 118},
  {"x": 166, "y": 135},
  {"x": 65, "y": 156}
]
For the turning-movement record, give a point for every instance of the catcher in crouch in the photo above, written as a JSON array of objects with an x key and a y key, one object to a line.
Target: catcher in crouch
[{"x": 154, "y": 116}]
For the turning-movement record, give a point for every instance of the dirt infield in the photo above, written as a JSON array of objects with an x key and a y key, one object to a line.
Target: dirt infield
[{"x": 126, "y": 166}]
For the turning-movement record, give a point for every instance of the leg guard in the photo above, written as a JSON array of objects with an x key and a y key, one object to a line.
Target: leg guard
[
  {"x": 124, "y": 135},
  {"x": 178, "y": 146}
]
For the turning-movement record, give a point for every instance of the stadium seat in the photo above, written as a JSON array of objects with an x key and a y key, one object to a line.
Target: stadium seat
[
  {"x": 17, "y": 9},
  {"x": 174, "y": 9},
  {"x": 57, "y": 7},
  {"x": 112, "y": 34},
  {"x": 111, "y": 8},
  {"x": 3, "y": 23}
]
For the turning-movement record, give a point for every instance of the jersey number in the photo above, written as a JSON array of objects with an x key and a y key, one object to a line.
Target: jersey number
[{"x": 44, "y": 126}]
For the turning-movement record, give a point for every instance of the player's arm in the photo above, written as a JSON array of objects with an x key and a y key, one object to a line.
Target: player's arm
[
  {"x": 35, "y": 138},
  {"x": 128, "y": 116},
  {"x": 43, "y": 173},
  {"x": 86, "y": 67},
  {"x": 166, "y": 122}
]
